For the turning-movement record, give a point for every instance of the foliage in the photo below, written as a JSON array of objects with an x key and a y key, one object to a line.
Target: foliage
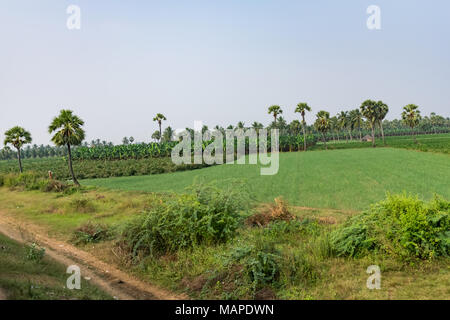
[
  {"x": 91, "y": 233},
  {"x": 203, "y": 215},
  {"x": 401, "y": 225},
  {"x": 31, "y": 181},
  {"x": 35, "y": 252}
]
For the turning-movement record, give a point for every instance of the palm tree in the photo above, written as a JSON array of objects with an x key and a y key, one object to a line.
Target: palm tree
[
  {"x": 344, "y": 124},
  {"x": 302, "y": 107},
  {"x": 159, "y": 118},
  {"x": 275, "y": 111},
  {"x": 369, "y": 111},
  {"x": 257, "y": 126},
  {"x": 356, "y": 120},
  {"x": 240, "y": 125},
  {"x": 334, "y": 127},
  {"x": 168, "y": 134},
  {"x": 322, "y": 124},
  {"x": 295, "y": 127},
  {"x": 156, "y": 136},
  {"x": 383, "y": 109},
  {"x": 411, "y": 117},
  {"x": 69, "y": 132},
  {"x": 17, "y": 137}
]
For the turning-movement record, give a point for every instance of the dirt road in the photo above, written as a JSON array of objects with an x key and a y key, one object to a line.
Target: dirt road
[{"x": 113, "y": 281}]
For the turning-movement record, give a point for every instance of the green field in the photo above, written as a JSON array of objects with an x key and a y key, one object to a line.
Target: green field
[{"x": 341, "y": 179}]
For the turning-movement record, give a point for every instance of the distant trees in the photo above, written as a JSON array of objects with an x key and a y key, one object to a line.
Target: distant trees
[
  {"x": 17, "y": 137},
  {"x": 168, "y": 134},
  {"x": 322, "y": 124},
  {"x": 344, "y": 124},
  {"x": 68, "y": 131},
  {"x": 156, "y": 136},
  {"x": 411, "y": 117},
  {"x": 159, "y": 118},
  {"x": 302, "y": 107}
]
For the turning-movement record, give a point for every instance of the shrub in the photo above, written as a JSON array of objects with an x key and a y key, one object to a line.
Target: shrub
[
  {"x": 203, "y": 215},
  {"x": 35, "y": 253},
  {"x": 31, "y": 181},
  {"x": 402, "y": 225},
  {"x": 82, "y": 205},
  {"x": 91, "y": 233},
  {"x": 279, "y": 211}
]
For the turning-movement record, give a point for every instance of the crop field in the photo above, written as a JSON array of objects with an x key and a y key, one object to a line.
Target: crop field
[{"x": 340, "y": 179}]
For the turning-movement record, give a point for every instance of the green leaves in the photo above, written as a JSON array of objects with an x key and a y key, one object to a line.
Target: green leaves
[
  {"x": 17, "y": 137},
  {"x": 68, "y": 129}
]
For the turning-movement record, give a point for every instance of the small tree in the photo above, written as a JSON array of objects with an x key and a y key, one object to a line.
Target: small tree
[
  {"x": 68, "y": 132},
  {"x": 159, "y": 118},
  {"x": 156, "y": 136},
  {"x": 322, "y": 124},
  {"x": 302, "y": 107},
  {"x": 356, "y": 120},
  {"x": 17, "y": 137},
  {"x": 411, "y": 117}
]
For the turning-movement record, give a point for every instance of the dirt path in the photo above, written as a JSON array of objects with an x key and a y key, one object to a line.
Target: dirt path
[
  {"x": 113, "y": 281},
  {"x": 2, "y": 295}
]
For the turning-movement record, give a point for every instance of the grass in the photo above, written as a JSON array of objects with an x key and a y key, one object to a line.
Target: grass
[
  {"x": 204, "y": 271},
  {"x": 439, "y": 143},
  {"x": 349, "y": 179},
  {"x": 23, "y": 278}
]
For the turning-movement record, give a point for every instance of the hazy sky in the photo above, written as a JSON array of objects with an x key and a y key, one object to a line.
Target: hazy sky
[{"x": 216, "y": 61}]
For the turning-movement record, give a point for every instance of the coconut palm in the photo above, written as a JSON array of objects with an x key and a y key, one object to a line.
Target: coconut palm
[
  {"x": 411, "y": 117},
  {"x": 68, "y": 132},
  {"x": 382, "y": 110},
  {"x": 257, "y": 126},
  {"x": 17, "y": 137},
  {"x": 156, "y": 136},
  {"x": 275, "y": 111},
  {"x": 322, "y": 124},
  {"x": 302, "y": 107},
  {"x": 240, "y": 125},
  {"x": 343, "y": 122},
  {"x": 159, "y": 118},
  {"x": 334, "y": 127},
  {"x": 356, "y": 120},
  {"x": 370, "y": 111},
  {"x": 168, "y": 134}
]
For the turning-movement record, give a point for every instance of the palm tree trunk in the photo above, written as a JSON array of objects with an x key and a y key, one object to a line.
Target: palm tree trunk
[
  {"x": 20, "y": 160},
  {"x": 75, "y": 181},
  {"x": 350, "y": 134},
  {"x": 382, "y": 132},
  {"x": 360, "y": 134},
  {"x": 160, "y": 131},
  {"x": 304, "y": 134},
  {"x": 373, "y": 135},
  {"x": 324, "y": 141}
]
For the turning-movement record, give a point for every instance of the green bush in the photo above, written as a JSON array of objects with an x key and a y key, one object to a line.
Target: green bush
[
  {"x": 31, "y": 181},
  {"x": 205, "y": 215},
  {"x": 401, "y": 225},
  {"x": 35, "y": 253}
]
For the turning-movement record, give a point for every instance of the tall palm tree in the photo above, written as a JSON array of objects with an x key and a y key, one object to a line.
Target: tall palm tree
[
  {"x": 168, "y": 134},
  {"x": 382, "y": 110},
  {"x": 369, "y": 111},
  {"x": 334, "y": 127},
  {"x": 302, "y": 107},
  {"x": 68, "y": 132},
  {"x": 159, "y": 118},
  {"x": 275, "y": 111},
  {"x": 356, "y": 119},
  {"x": 240, "y": 125},
  {"x": 343, "y": 123},
  {"x": 17, "y": 137},
  {"x": 322, "y": 124},
  {"x": 411, "y": 117}
]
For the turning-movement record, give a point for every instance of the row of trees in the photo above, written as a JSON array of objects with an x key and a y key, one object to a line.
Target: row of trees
[{"x": 68, "y": 132}]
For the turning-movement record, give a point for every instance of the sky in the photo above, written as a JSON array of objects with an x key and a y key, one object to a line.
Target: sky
[{"x": 214, "y": 61}]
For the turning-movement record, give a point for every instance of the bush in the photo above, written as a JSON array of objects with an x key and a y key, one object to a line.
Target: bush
[
  {"x": 91, "y": 233},
  {"x": 205, "y": 215},
  {"x": 82, "y": 205},
  {"x": 35, "y": 253},
  {"x": 401, "y": 225},
  {"x": 31, "y": 181}
]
